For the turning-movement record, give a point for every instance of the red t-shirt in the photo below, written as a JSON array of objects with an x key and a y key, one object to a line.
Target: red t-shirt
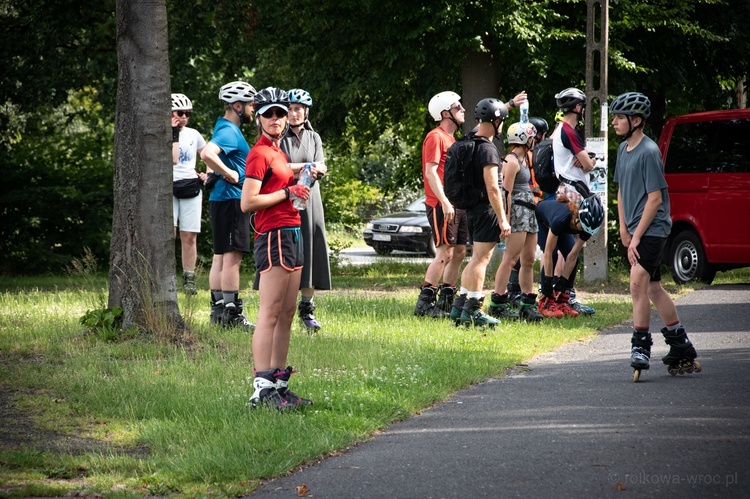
[
  {"x": 264, "y": 156},
  {"x": 434, "y": 147}
]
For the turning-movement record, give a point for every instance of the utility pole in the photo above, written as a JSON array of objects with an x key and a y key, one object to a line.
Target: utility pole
[{"x": 597, "y": 42}]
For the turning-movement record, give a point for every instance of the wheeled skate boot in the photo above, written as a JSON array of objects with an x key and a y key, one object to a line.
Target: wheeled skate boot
[
  {"x": 514, "y": 289},
  {"x": 217, "y": 312},
  {"x": 305, "y": 311},
  {"x": 442, "y": 309},
  {"x": 501, "y": 308},
  {"x": 576, "y": 304},
  {"x": 282, "y": 386},
  {"x": 188, "y": 282},
  {"x": 548, "y": 308},
  {"x": 473, "y": 315},
  {"x": 640, "y": 352},
  {"x": 457, "y": 308},
  {"x": 563, "y": 305},
  {"x": 426, "y": 301},
  {"x": 681, "y": 356},
  {"x": 266, "y": 394},
  {"x": 528, "y": 310},
  {"x": 234, "y": 318}
]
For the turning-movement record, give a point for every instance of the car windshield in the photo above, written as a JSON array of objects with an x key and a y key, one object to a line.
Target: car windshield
[{"x": 417, "y": 206}]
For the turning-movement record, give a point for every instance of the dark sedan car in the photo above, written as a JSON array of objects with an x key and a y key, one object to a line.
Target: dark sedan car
[{"x": 407, "y": 230}]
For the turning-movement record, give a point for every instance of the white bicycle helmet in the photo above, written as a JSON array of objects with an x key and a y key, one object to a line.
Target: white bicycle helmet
[
  {"x": 521, "y": 133},
  {"x": 237, "y": 91},
  {"x": 442, "y": 102},
  {"x": 180, "y": 102}
]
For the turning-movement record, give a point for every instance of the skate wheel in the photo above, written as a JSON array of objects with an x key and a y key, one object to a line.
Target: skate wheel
[
  {"x": 672, "y": 371},
  {"x": 697, "y": 367},
  {"x": 636, "y": 375}
]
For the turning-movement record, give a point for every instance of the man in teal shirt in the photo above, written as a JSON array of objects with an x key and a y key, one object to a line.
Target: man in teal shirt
[{"x": 225, "y": 154}]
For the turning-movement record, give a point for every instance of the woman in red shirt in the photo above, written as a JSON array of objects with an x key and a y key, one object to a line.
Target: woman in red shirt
[{"x": 268, "y": 192}]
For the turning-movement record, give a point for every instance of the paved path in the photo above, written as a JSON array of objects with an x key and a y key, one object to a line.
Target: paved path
[{"x": 573, "y": 425}]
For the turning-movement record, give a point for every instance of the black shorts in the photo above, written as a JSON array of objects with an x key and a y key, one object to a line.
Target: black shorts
[
  {"x": 450, "y": 234},
  {"x": 279, "y": 248},
  {"x": 230, "y": 227},
  {"x": 484, "y": 224},
  {"x": 651, "y": 250}
]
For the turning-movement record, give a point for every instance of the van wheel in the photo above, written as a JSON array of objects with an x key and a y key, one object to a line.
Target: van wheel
[{"x": 687, "y": 259}]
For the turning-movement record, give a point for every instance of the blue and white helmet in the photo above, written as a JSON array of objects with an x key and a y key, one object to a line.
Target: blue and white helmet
[
  {"x": 591, "y": 214},
  {"x": 299, "y": 96}
]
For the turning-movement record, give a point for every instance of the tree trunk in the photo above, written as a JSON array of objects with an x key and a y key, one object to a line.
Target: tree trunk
[{"x": 142, "y": 262}]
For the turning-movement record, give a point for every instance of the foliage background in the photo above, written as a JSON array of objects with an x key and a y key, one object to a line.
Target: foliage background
[{"x": 370, "y": 66}]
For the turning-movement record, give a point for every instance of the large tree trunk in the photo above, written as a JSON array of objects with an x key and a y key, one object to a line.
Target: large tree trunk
[{"x": 142, "y": 262}]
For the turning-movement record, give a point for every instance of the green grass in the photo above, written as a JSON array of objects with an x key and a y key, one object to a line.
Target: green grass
[{"x": 136, "y": 416}]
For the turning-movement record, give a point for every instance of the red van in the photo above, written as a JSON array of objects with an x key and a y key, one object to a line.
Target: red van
[{"x": 707, "y": 166}]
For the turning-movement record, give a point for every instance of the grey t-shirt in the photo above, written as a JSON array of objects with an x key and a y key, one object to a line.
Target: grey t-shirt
[{"x": 639, "y": 172}]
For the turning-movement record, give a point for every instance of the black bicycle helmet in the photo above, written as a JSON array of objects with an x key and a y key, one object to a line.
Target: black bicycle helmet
[
  {"x": 540, "y": 124},
  {"x": 568, "y": 98},
  {"x": 489, "y": 110},
  {"x": 631, "y": 104},
  {"x": 270, "y": 97},
  {"x": 591, "y": 214}
]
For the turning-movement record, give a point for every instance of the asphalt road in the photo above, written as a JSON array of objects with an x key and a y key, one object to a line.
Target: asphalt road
[{"x": 573, "y": 424}]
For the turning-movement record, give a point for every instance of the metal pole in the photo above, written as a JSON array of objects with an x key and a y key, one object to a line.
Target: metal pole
[{"x": 597, "y": 42}]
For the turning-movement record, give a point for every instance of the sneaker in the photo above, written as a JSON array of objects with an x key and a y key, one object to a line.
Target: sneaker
[
  {"x": 501, "y": 308},
  {"x": 548, "y": 308},
  {"x": 305, "y": 311},
  {"x": 188, "y": 282},
  {"x": 233, "y": 318}
]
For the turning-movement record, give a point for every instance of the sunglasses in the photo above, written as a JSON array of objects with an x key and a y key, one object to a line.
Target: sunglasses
[
  {"x": 274, "y": 111},
  {"x": 457, "y": 107},
  {"x": 183, "y": 113}
]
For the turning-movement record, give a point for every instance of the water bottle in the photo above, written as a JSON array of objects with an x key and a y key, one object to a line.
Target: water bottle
[
  {"x": 501, "y": 245},
  {"x": 305, "y": 178},
  {"x": 525, "y": 111}
]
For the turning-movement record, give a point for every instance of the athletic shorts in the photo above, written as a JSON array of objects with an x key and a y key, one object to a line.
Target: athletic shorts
[
  {"x": 279, "y": 248},
  {"x": 450, "y": 234},
  {"x": 651, "y": 251},
  {"x": 187, "y": 212},
  {"x": 231, "y": 227},
  {"x": 483, "y": 224}
]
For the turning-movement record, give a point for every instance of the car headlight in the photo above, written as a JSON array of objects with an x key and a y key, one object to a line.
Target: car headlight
[
  {"x": 368, "y": 226},
  {"x": 410, "y": 228}
]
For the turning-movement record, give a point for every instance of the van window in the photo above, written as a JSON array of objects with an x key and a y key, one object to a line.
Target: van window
[{"x": 710, "y": 147}]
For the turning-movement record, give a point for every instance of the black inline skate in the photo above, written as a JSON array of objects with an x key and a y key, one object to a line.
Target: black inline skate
[
  {"x": 681, "y": 356},
  {"x": 640, "y": 353}
]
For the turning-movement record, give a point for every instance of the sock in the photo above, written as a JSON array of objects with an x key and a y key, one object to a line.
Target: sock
[
  {"x": 475, "y": 294},
  {"x": 463, "y": 291},
  {"x": 674, "y": 327},
  {"x": 305, "y": 299},
  {"x": 217, "y": 295}
]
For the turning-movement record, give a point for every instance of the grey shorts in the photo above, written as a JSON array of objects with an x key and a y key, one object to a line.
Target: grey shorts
[{"x": 523, "y": 218}]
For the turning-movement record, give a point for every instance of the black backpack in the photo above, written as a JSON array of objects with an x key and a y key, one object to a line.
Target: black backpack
[
  {"x": 458, "y": 176},
  {"x": 544, "y": 167}
]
